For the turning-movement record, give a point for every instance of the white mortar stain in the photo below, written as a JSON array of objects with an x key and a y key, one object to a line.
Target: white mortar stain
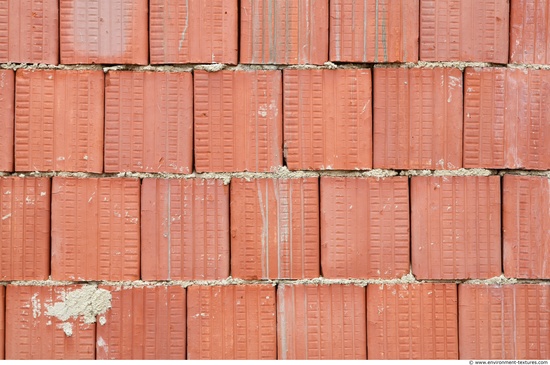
[{"x": 36, "y": 307}]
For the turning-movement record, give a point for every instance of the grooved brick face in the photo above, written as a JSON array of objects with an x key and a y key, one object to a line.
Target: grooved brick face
[
  {"x": 529, "y": 31},
  {"x": 95, "y": 229},
  {"x": 7, "y": 114},
  {"x": 374, "y": 30},
  {"x": 184, "y": 229},
  {"x": 143, "y": 323},
  {"x": 321, "y": 322},
  {"x": 275, "y": 228},
  {"x": 504, "y": 322},
  {"x": 193, "y": 31},
  {"x": 231, "y": 322},
  {"x": 149, "y": 122},
  {"x": 59, "y": 120},
  {"x": 526, "y": 226},
  {"x": 24, "y": 228},
  {"x": 364, "y": 227},
  {"x": 412, "y": 321},
  {"x": 238, "y": 121},
  {"x": 455, "y": 227},
  {"x": 328, "y": 119},
  {"x": 464, "y": 30},
  {"x": 104, "y": 31},
  {"x": 417, "y": 118},
  {"x": 284, "y": 32},
  {"x": 2, "y": 320},
  {"x": 507, "y": 118}
]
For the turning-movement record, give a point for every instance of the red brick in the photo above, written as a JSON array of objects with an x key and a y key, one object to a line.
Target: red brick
[
  {"x": 95, "y": 229},
  {"x": 412, "y": 321},
  {"x": 275, "y": 228},
  {"x": 238, "y": 121},
  {"x": 104, "y": 31},
  {"x": 321, "y": 322},
  {"x": 507, "y": 118},
  {"x": 29, "y": 31},
  {"x": 417, "y": 118},
  {"x": 529, "y": 31},
  {"x": 195, "y": 31},
  {"x": 283, "y": 32},
  {"x": 59, "y": 120},
  {"x": 143, "y": 323},
  {"x": 184, "y": 230},
  {"x": 464, "y": 30},
  {"x": 504, "y": 322},
  {"x": 149, "y": 122},
  {"x": 364, "y": 227},
  {"x": 7, "y": 115},
  {"x": 526, "y": 226},
  {"x": 33, "y": 334},
  {"x": 24, "y": 228},
  {"x": 374, "y": 30},
  {"x": 231, "y": 322},
  {"x": 328, "y": 119},
  {"x": 2, "y": 320},
  {"x": 455, "y": 227}
]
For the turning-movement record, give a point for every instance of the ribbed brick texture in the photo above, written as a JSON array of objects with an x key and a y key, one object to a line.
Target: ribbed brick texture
[
  {"x": 7, "y": 115},
  {"x": 529, "y": 31},
  {"x": 2, "y": 320}
]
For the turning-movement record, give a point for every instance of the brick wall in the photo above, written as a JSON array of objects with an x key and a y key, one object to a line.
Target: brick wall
[{"x": 322, "y": 179}]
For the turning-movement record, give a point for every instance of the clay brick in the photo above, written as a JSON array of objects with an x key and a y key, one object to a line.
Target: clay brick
[
  {"x": 464, "y": 30},
  {"x": 143, "y": 323},
  {"x": 194, "y": 31},
  {"x": 364, "y": 227},
  {"x": 417, "y": 118},
  {"x": 504, "y": 322},
  {"x": 374, "y": 30},
  {"x": 2, "y": 320},
  {"x": 231, "y": 322},
  {"x": 104, "y": 31},
  {"x": 328, "y": 119},
  {"x": 529, "y": 31},
  {"x": 238, "y": 121},
  {"x": 184, "y": 230},
  {"x": 455, "y": 227},
  {"x": 321, "y": 322},
  {"x": 29, "y": 31},
  {"x": 24, "y": 228},
  {"x": 149, "y": 122},
  {"x": 526, "y": 226},
  {"x": 95, "y": 229},
  {"x": 284, "y": 32},
  {"x": 7, "y": 115},
  {"x": 507, "y": 118},
  {"x": 412, "y": 321},
  {"x": 59, "y": 120},
  {"x": 275, "y": 228},
  {"x": 33, "y": 334}
]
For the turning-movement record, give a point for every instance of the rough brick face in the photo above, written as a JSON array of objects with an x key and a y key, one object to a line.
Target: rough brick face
[
  {"x": 2, "y": 319},
  {"x": 328, "y": 119},
  {"x": 184, "y": 230},
  {"x": 7, "y": 115},
  {"x": 364, "y": 227},
  {"x": 529, "y": 31},
  {"x": 275, "y": 228}
]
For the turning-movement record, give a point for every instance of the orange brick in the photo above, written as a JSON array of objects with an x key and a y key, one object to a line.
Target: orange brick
[
  {"x": 143, "y": 323},
  {"x": 529, "y": 31},
  {"x": 59, "y": 120},
  {"x": 412, "y": 321},
  {"x": 284, "y": 32},
  {"x": 231, "y": 322},
  {"x": 364, "y": 227},
  {"x": 328, "y": 119},
  {"x": 194, "y": 31},
  {"x": 504, "y": 322},
  {"x": 95, "y": 229},
  {"x": 417, "y": 118},
  {"x": 275, "y": 228},
  {"x": 7, "y": 115},
  {"x": 238, "y": 121},
  {"x": 321, "y": 322},
  {"x": 24, "y": 228},
  {"x": 184, "y": 230},
  {"x": 149, "y": 122}
]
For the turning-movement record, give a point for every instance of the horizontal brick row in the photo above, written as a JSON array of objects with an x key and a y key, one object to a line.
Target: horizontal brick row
[{"x": 346, "y": 119}]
